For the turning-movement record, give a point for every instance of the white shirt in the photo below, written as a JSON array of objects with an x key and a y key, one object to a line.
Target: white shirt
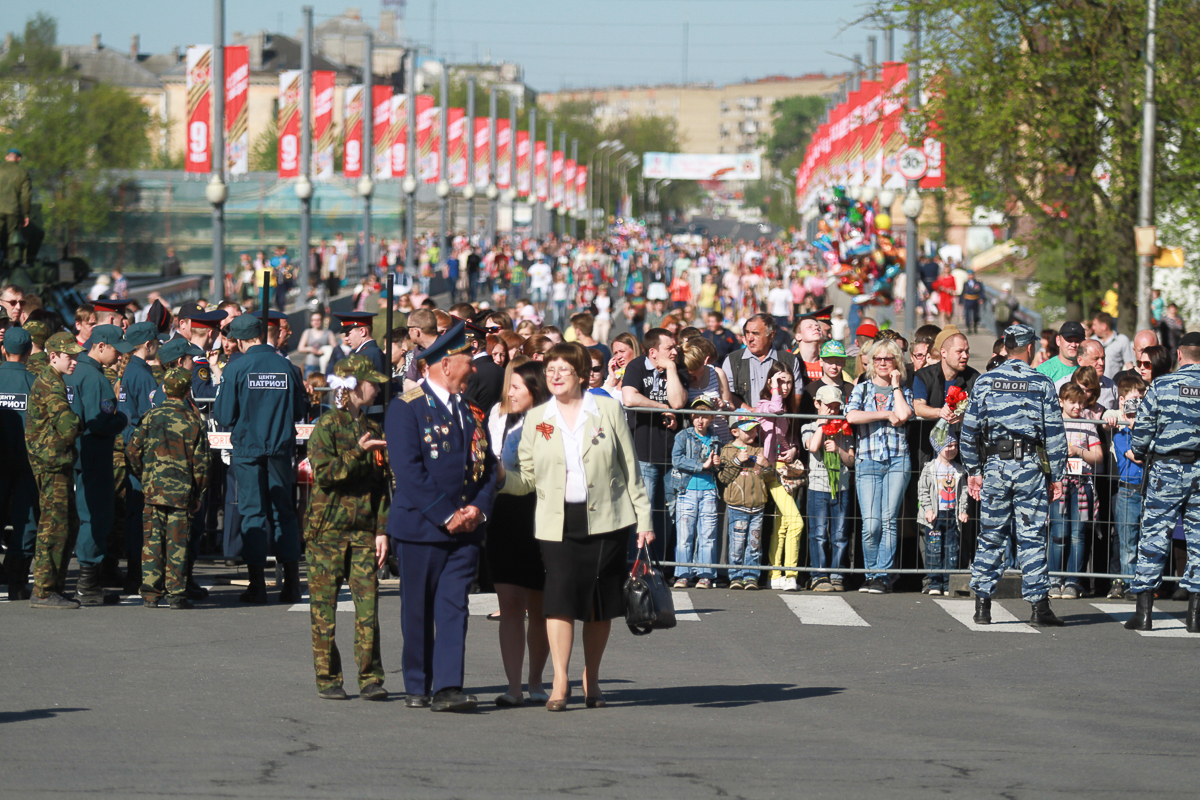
[
  {"x": 572, "y": 438},
  {"x": 780, "y": 300},
  {"x": 539, "y": 276}
]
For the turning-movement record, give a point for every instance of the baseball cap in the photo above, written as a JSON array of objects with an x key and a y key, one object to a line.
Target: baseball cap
[
  {"x": 702, "y": 401},
  {"x": 18, "y": 341},
  {"x": 1187, "y": 340},
  {"x": 744, "y": 422},
  {"x": 829, "y": 394},
  {"x": 63, "y": 343},
  {"x": 832, "y": 349},
  {"x": 141, "y": 332},
  {"x": 14, "y": 151},
  {"x": 176, "y": 348},
  {"x": 1072, "y": 330},
  {"x": 177, "y": 382},
  {"x": 867, "y": 329},
  {"x": 245, "y": 327},
  {"x": 111, "y": 335}
]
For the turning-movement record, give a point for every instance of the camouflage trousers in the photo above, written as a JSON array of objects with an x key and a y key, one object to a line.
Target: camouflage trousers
[
  {"x": 57, "y": 529},
  {"x": 1015, "y": 500},
  {"x": 329, "y": 563},
  {"x": 115, "y": 542},
  {"x": 164, "y": 552},
  {"x": 1172, "y": 491}
]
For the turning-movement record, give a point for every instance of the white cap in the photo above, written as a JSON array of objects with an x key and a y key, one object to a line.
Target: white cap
[{"x": 1006, "y": 286}]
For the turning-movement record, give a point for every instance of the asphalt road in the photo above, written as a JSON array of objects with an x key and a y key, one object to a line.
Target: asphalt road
[{"x": 751, "y": 695}]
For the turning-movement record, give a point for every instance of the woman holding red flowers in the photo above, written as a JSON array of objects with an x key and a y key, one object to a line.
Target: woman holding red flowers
[{"x": 830, "y": 446}]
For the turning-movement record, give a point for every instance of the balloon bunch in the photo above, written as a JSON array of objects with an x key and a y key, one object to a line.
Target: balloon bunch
[{"x": 855, "y": 243}]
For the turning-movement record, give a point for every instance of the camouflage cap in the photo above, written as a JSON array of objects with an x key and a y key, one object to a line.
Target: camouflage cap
[
  {"x": 1019, "y": 335},
  {"x": 358, "y": 366},
  {"x": 63, "y": 343},
  {"x": 177, "y": 382},
  {"x": 38, "y": 331}
]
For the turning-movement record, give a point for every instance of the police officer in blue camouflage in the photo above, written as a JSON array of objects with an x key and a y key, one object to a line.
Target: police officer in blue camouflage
[
  {"x": 1166, "y": 438},
  {"x": 1012, "y": 442}
]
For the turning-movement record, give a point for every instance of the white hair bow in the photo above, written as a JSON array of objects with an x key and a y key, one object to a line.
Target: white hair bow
[{"x": 348, "y": 383}]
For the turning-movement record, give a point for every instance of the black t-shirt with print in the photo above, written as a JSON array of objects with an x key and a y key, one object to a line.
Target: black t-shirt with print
[{"x": 651, "y": 439}]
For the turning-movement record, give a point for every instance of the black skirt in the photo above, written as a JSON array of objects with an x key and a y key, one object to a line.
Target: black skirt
[
  {"x": 513, "y": 555},
  {"x": 585, "y": 573}
]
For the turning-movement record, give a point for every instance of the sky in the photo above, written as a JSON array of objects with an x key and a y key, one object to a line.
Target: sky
[{"x": 574, "y": 44}]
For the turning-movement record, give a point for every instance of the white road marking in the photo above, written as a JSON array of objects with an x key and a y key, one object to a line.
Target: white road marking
[
  {"x": 1003, "y": 621},
  {"x": 345, "y": 602},
  {"x": 1165, "y": 625},
  {"x": 480, "y": 605},
  {"x": 823, "y": 611},
  {"x": 684, "y": 610}
]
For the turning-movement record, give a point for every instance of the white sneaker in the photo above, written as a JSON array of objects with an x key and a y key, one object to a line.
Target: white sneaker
[
  {"x": 935, "y": 592},
  {"x": 788, "y": 585},
  {"x": 777, "y": 584}
]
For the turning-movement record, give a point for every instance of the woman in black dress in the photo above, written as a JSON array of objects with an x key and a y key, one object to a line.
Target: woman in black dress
[{"x": 514, "y": 558}]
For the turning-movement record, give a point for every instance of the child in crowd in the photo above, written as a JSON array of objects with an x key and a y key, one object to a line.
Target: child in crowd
[
  {"x": 828, "y": 493},
  {"x": 942, "y": 498},
  {"x": 779, "y": 396},
  {"x": 1127, "y": 507},
  {"x": 743, "y": 466},
  {"x": 1074, "y": 508},
  {"x": 168, "y": 453},
  {"x": 696, "y": 456}
]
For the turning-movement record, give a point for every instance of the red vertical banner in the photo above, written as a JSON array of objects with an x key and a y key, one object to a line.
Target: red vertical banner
[
  {"x": 540, "y": 172},
  {"x": 199, "y": 109},
  {"x": 323, "y": 135},
  {"x": 556, "y": 178},
  {"x": 524, "y": 173},
  {"x": 456, "y": 146},
  {"x": 504, "y": 154},
  {"x": 895, "y": 89},
  {"x": 352, "y": 144},
  {"x": 381, "y": 124},
  {"x": 237, "y": 115},
  {"x": 398, "y": 134},
  {"x": 581, "y": 176},
  {"x": 428, "y": 169},
  {"x": 483, "y": 166},
  {"x": 289, "y": 123},
  {"x": 569, "y": 184}
]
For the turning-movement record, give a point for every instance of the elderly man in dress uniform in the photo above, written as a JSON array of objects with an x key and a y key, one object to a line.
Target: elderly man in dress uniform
[{"x": 437, "y": 445}]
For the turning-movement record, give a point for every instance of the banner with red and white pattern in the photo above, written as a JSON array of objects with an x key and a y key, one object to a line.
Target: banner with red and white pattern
[
  {"x": 199, "y": 109},
  {"x": 289, "y": 123}
]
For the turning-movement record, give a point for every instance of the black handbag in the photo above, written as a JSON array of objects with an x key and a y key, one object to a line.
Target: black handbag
[{"x": 648, "y": 601}]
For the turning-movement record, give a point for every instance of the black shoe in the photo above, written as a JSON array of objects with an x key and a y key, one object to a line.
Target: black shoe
[
  {"x": 53, "y": 601},
  {"x": 20, "y": 593},
  {"x": 1180, "y": 593},
  {"x": 1193, "y": 613},
  {"x": 111, "y": 575},
  {"x": 417, "y": 701},
  {"x": 1142, "y": 619},
  {"x": 133, "y": 580},
  {"x": 453, "y": 700},
  {"x": 17, "y": 569},
  {"x": 290, "y": 593},
  {"x": 256, "y": 593},
  {"x": 983, "y": 610},
  {"x": 88, "y": 590},
  {"x": 195, "y": 591},
  {"x": 332, "y": 693},
  {"x": 151, "y": 602},
  {"x": 373, "y": 691},
  {"x": 1043, "y": 617},
  {"x": 181, "y": 604}
]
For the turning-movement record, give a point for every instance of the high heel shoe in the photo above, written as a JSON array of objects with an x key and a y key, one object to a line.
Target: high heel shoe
[
  {"x": 594, "y": 702},
  {"x": 559, "y": 705}
]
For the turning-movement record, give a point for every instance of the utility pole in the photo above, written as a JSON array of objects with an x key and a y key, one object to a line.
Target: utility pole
[
  {"x": 217, "y": 191},
  {"x": 304, "y": 185},
  {"x": 910, "y": 229},
  {"x": 366, "y": 184},
  {"x": 1146, "y": 196}
]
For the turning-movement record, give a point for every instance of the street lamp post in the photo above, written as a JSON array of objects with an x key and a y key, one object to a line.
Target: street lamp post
[
  {"x": 217, "y": 191},
  {"x": 469, "y": 138},
  {"x": 512, "y": 168},
  {"x": 304, "y": 186},
  {"x": 443, "y": 184},
  {"x": 493, "y": 192},
  {"x": 365, "y": 185},
  {"x": 533, "y": 173},
  {"x": 912, "y": 200},
  {"x": 1146, "y": 177},
  {"x": 549, "y": 176},
  {"x": 570, "y": 190},
  {"x": 410, "y": 164},
  {"x": 591, "y": 175},
  {"x": 616, "y": 147}
]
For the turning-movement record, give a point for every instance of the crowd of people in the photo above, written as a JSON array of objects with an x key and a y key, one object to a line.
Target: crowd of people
[{"x": 701, "y": 400}]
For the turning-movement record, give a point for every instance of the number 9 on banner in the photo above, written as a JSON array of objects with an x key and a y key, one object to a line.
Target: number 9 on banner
[
  {"x": 289, "y": 152},
  {"x": 198, "y": 141}
]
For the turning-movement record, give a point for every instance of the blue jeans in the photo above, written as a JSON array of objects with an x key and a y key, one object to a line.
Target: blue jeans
[
  {"x": 880, "y": 491},
  {"x": 827, "y": 540},
  {"x": 1066, "y": 532},
  {"x": 1127, "y": 509},
  {"x": 654, "y": 476},
  {"x": 941, "y": 548},
  {"x": 745, "y": 542},
  {"x": 696, "y": 532},
  {"x": 560, "y": 312}
]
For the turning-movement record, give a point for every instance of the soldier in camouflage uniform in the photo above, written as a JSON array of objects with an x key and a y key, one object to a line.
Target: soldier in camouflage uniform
[
  {"x": 1012, "y": 441},
  {"x": 1166, "y": 436},
  {"x": 39, "y": 332},
  {"x": 168, "y": 453},
  {"x": 51, "y": 428},
  {"x": 346, "y": 534}
]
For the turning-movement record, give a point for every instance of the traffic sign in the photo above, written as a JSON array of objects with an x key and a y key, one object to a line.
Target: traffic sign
[{"x": 913, "y": 163}]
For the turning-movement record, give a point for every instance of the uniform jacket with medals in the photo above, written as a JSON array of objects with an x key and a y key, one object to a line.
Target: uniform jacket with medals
[{"x": 439, "y": 467}]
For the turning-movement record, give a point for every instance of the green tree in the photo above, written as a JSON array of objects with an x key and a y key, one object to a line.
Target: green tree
[
  {"x": 264, "y": 150},
  {"x": 793, "y": 120},
  {"x": 1039, "y": 108}
]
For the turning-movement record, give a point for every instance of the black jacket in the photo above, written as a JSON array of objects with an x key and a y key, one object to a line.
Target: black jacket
[{"x": 486, "y": 386}]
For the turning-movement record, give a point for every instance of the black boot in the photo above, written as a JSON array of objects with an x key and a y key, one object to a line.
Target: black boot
[
  {"x": 290, "y": 593},
  {"x": 90, "y": 592},
  {"x": 18, "y": 577},
  {"x": 1142, "y": 615},
  {"x": 983, "y": 610},
  {"x": 194, "y": 591},
  {"x": 1043, "y": 617},
  {"x": 257, "y": 591},
  {"x": 133, "y": 578},
  {"x": 109, "y": 574},
  {"x": 1193, "y": 613}
]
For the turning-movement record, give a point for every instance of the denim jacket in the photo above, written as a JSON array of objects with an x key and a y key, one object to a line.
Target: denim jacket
[{"x": 687, "y": 456}]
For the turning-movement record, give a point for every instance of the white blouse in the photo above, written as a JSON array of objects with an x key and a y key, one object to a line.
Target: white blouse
[{"x": 572, "y": 438}]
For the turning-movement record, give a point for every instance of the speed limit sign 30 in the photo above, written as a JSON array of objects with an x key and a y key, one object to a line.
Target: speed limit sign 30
[{"x": 912, "y": 163}]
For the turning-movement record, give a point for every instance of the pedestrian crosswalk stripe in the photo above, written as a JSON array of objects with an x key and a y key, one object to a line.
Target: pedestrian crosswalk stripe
[
  {"x": 1165, "y": 625},
  {"x": 684, "y": 610},
  {"x": 823, "y": 611},
  {"x": 345, "y": 602},
  {"x": 480, "y": 605},
  {"x": 1003, "y": 621}
]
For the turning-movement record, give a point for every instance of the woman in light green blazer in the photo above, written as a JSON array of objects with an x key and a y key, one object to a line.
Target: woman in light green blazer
[{"x": 576, "y": 453}]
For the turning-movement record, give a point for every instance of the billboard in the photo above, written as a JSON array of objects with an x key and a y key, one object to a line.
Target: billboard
[{"x": 702, "y": 166}]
